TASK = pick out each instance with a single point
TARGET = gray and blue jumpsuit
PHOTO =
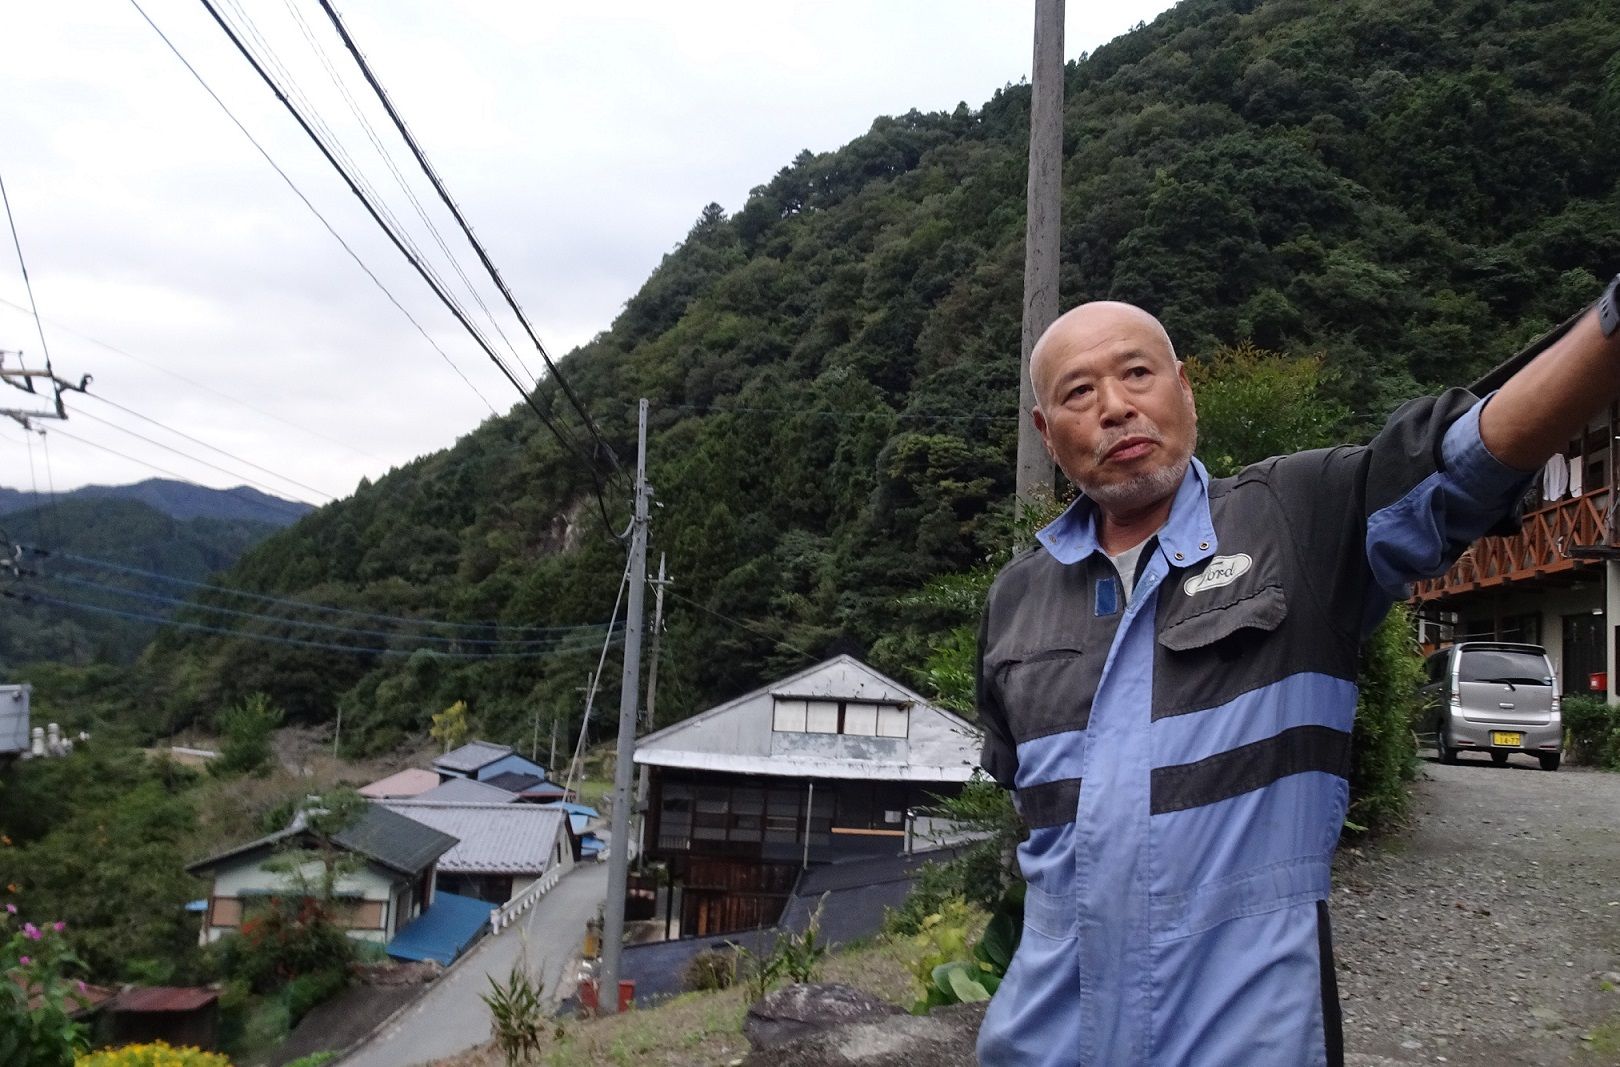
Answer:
(1181, 756)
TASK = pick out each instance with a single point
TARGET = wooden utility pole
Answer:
(624, 764)
(1041, 236)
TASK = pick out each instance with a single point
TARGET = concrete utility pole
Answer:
(624, 765)
(1041, 236)
(643, 773)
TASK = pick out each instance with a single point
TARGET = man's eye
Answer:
(1137, 372)
(1080, 392)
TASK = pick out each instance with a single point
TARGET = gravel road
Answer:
(1489, 935)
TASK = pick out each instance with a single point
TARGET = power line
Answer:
(32, 597)
(308, 605)
(301, 99)
(903, 416)
(170, 601)
(186, 455)
(196, 384)
(416, 263)
(738, 622)
(444, 195)
(314, 211)
(212, 448)
(399, 179)
(16, 243)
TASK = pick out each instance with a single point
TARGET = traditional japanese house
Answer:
(832, 762)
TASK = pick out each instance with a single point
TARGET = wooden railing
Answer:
(1541, 547)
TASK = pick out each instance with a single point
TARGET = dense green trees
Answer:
(99, 839)
(1403, 190)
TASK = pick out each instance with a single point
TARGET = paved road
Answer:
(451, 1018)
(1489, 934)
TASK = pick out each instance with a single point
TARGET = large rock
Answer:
(944, 1038)
(797, 1010)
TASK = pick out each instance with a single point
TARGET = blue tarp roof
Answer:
(444, 931)
(579, 815)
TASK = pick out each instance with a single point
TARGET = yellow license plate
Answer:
(1502, 738)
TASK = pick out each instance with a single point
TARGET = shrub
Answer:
(34, 962)
(517, 1013)
(947, 971)
(1593, 728)
(1383, 753)
(308, 990)
(154, 1054)
(712, 969)
(985, 868)
(247, 729)
(314, 1059)
(290, 936)
(794, 956)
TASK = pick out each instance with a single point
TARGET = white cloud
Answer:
(581, 141)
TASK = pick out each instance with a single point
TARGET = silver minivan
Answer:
(1492, 696)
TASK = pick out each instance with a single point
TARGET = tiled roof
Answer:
(494, 838)
(395, 841)
(406, 783)
(380, 835)
(471, 756)
(466, 791)
(516, 781)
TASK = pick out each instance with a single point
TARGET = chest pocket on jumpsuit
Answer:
(1236, 826)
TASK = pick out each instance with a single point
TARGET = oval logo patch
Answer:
(1222, 570)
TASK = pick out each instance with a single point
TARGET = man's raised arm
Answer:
(1542, 406)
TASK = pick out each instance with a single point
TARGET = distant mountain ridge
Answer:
(89, 596)
(178, 500)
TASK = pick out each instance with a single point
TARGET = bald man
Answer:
(1167, 682)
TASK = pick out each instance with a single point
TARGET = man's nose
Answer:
(1114, 403)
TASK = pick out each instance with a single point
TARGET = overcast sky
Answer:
(173, 264)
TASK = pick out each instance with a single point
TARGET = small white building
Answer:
(394, 883)
(14, 719)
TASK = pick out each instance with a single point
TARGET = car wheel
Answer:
(1499, 758)
(1443, 751)
(1551, 762)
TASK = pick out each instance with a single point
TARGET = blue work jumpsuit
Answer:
(1181, 757)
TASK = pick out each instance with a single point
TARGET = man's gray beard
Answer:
(1150, 487)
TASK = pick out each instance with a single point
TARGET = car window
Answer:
(1437, 666)
(1498, 665)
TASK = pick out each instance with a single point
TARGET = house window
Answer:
(225, 911)
(362, 914)
(821, 717)
(861, 720)
(853, 718)
(790, 715)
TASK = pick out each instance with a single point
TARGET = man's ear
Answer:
(1039, 417)
(1186, 388)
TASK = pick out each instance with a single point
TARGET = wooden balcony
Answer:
(1540, 549)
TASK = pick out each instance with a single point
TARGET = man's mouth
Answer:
(1130, 448)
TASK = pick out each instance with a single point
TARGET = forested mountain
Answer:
(95, 551)
(1408, 188)
(178, 500)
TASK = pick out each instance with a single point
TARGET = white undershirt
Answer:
(1125, 565)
